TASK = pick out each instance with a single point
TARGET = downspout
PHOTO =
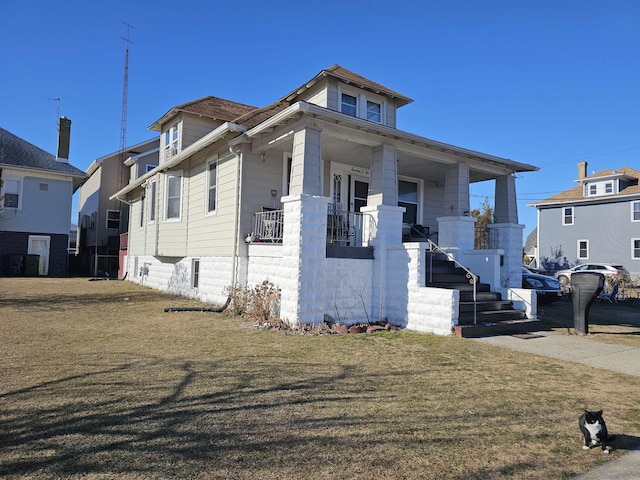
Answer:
(236, 214)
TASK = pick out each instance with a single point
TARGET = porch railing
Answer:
(343, 228)
(347, 228)
(485, 239)
(268, 226)
(473, 279)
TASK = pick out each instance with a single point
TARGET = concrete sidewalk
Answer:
(573, 348)
(580, 349)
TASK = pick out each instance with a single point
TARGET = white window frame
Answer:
(362, 103)
(107, 219)
(172, 137)
(168, 177)
(348, 106)
(579, 250)
(211, 189)
(195, 273)
(593, 189)
(153, 200)
(564, 217)
(634, 249)
(19, 181)
(608, 188)
(419, 193)
(633, 211)
(142, 205)
(287, 166)
(378, 113)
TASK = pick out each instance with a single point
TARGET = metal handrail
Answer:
(473, 279)
(348, 228)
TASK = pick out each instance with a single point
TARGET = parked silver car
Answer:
(607, 269)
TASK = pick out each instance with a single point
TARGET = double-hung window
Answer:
(349, 105)
(212, 186)
(174, 196)
(608, 187)
(635, 211)
(113, 219)
(171, 139)
(635, 248)
(11, 192)
(567, 216)
(374, 112)
(583, 249)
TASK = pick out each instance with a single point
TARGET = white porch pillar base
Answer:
(385, 232)
(304, 244)
(509, 238)
(455, 234)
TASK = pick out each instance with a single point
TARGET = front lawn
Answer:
(97, 381)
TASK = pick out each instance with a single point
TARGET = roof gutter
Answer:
(214, 136)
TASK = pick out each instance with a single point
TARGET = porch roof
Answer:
(349, 137)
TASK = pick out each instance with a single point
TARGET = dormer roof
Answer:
(349, 77)
(210, 107)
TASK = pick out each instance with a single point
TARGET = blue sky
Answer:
(549, 83)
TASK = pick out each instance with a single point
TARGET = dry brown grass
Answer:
(97, 381)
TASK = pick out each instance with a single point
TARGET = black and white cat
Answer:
(594, 430)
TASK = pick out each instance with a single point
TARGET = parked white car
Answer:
(607, 269)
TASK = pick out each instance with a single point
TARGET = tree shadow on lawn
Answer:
(213, 416)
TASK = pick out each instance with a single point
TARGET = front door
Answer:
(359, 192)
(39, 245)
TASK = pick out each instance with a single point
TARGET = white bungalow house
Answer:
(320, 194)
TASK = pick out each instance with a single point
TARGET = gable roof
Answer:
(348, 76)
(577, 193)
(16, 152)
(210, 107)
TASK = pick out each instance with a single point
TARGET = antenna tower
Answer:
(123, 116)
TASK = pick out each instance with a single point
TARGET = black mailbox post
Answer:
(585, 287)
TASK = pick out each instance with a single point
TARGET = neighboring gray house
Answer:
(322, 195)
(101, 220)
(596, 221)
(35, 205)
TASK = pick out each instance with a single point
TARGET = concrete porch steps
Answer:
(493, 315)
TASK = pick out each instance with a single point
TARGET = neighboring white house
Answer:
(596, 221)
(323, 196)
(36, 190)
(101, 220)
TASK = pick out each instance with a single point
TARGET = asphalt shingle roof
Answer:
(17, 152)
(577, 192)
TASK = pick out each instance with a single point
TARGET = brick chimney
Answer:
(582, 170)
(64, 137)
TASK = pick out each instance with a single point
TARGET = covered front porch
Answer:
(358, 185)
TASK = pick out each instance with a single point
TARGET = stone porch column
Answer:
(509, 239)
(384, 225)
(455, 234)
(305, 233)
(304, 244)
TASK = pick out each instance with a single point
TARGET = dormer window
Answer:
(593, 189)
(349, 105)
(608, 187)
(171, 139)
(374, 112)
